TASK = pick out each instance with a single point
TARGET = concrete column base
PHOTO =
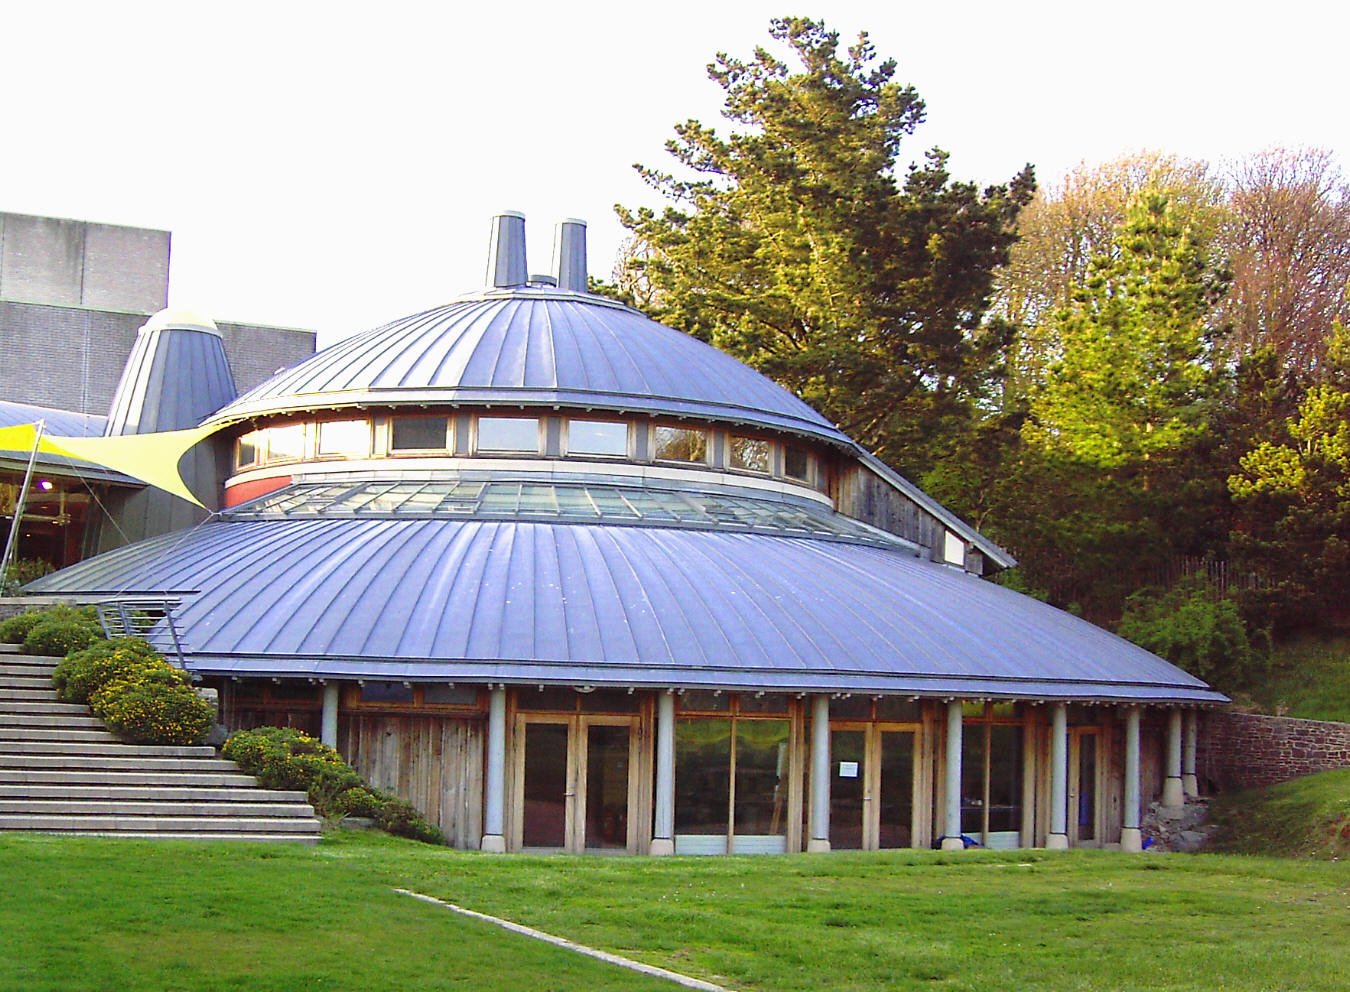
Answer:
(1131, 840)
(1173, 795)
(1189, 785)
(1057, 842)
(953, 844)
(494, 844)
(817, 846)
(662, 847)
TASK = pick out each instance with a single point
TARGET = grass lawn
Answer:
(126, 915)
(1309, 679)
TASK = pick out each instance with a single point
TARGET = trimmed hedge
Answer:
(58, 637)
(140, 696)
(15, 629)
(283, 758)
(82, 673)
(153, 712)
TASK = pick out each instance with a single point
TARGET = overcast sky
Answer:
(334, 166)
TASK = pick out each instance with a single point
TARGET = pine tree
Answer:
(794, 245)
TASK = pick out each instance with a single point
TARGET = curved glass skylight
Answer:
(560, 502)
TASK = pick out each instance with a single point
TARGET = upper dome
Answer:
(528, 346)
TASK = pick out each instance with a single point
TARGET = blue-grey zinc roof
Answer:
(537, 348)
(512, 601)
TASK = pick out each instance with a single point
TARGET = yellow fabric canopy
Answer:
(149, 458)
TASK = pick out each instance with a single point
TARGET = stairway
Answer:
(62, 772)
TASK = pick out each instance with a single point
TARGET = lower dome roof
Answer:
(490, 600)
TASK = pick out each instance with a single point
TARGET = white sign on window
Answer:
(848, 769)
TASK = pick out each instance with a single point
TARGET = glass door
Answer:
(575, 778)
(1084, 787)
(608, 761)
(849, 797)
(895, 754)
(546, 792)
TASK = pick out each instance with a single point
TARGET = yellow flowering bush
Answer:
(143, 712)
(81, 673)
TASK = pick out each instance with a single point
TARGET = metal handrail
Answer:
(150, 619)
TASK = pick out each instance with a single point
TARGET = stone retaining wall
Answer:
(1247, 750)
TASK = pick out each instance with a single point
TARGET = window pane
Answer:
(895, 709)
(972, 780)
(344, 437)
(418, 433)
(705, 701)
(749, 454)
(386, 692)
(897, 788)
(595, 437)
(702, 776)
(773, 702)
(796, 465)
(508, 434)
(448, 695)
(761, 777)
(1005, 778)
(246, 453)
(286, 442)
(675, 444)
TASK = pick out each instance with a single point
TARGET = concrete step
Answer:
(160, 824)
(72, 734)
(48, 720)
(95, 776)
(308, 839)
(35, 694)
(108, 749)
(151, 793)
(115, 763)
(11, 705)
(12, 682)
(140, 807)
(10, 648)
(22, 665)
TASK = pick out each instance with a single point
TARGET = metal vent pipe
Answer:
(569, 255)
(506, 251)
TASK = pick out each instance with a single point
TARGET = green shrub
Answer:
(283, 758)
(153, 712)
(20, 572)
(14, 629)
(1194, 629)
(359, 801)
(399, 817)
(82, 673)
(58, 637)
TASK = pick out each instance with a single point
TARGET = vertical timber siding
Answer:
(434, 762)
(860, 494)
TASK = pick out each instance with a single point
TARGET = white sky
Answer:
(335, 165)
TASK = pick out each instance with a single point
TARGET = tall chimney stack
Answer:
(506, 251)
(569, 255)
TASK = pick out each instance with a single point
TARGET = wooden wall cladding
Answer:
(434, 762)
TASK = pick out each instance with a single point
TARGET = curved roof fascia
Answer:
(540, 348)
(525, 602)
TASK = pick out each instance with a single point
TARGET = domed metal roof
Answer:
(541, 348)
(531, 602)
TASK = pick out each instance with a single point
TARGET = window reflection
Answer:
(678, 444)
(508, 434)
(749, 454)
(597, 437)
(344, 437)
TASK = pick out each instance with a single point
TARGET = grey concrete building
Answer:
(74, 293)
(75, 298)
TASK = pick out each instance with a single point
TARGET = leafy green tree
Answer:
(1293, 496)
(1195, 629)
(1132, 379)
(795, 244)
